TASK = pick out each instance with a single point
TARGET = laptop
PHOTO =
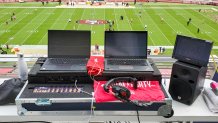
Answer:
(68, 50)
(126, 51)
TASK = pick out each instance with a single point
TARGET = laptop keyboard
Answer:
(140, 62)
(81, 62)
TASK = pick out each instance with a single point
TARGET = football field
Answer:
(163, 20)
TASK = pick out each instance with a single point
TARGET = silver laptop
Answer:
(126, 51)
(67, 50)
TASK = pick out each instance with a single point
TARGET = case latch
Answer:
(43, 102)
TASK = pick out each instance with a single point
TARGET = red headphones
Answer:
(120, 92)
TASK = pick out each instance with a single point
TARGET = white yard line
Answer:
(35, 29)
(116, 19)
(92, 18)
(15, 22)
(127, 19)
(181, 25)
(214, 9)
(52, 26)
(209, 19)
(5, 13)
(206, 34)
(70, 16)
(143, 27)
(159, 29)
(168, 24)
(36, 17)
(81, 18)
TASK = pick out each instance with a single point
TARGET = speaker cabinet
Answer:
(186, 82)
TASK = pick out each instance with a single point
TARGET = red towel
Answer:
(146, 91)
(95, 65)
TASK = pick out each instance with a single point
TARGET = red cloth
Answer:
(95, 65)
(146, 91)
(5, 70)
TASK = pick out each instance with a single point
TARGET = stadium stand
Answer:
(7, 1)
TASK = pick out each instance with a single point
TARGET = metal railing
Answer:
(164, 63)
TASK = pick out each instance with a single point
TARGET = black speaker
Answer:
(186, 82)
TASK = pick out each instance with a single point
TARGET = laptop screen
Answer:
(192, 50)
(126, 44)
(69, 43)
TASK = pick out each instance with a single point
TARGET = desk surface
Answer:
(198, 111)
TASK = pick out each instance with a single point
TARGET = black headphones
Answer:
(120, 92)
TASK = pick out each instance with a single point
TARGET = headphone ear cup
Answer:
(121, 92)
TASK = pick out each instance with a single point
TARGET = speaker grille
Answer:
(180, 90)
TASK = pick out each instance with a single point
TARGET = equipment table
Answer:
(198, 111)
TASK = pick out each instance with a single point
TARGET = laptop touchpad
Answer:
(125, 67)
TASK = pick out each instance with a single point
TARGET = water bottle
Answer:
(22, 67)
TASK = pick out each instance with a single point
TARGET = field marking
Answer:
(207, 18)
(155, 23)
(167, 22)
(14, 23)
(128, 19)
(116, 19)
(81, 18)
(59, 18)
(21, 30)
(187, 29)
(198, 27)
(153, 43)
(37, 26)
(4, 19)
(159, 28)
(197, 19)
(214, 9)
(35, 29)
(65, 25)
(143, 25)
(70, 17)
(180, 22)
(52, 27)
(92, 24)
(5, 13)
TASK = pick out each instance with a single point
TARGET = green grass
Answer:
(31, 25)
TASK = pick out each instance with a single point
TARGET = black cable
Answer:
(137, 114)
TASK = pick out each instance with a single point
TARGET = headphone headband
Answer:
(118, 79)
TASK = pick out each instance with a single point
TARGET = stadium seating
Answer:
(7, 1)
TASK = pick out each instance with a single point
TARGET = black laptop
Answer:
(192, 50)
(67, 50)
(126, 51)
